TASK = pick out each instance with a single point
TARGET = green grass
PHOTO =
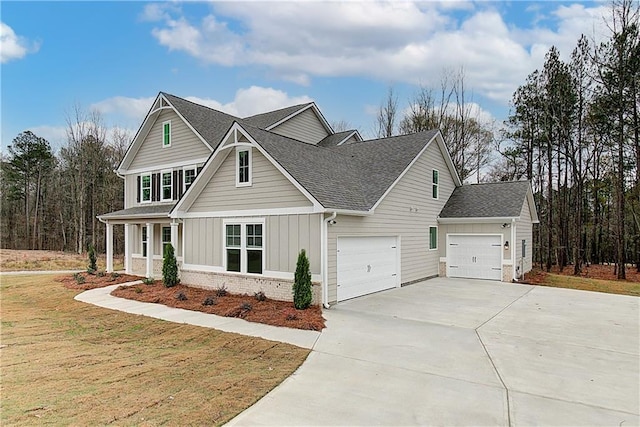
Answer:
(64, 362)
(597, 285)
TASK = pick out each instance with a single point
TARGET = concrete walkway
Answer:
(102, 297)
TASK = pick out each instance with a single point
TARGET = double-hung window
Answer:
(244, 245)
(243, 167)
(144, 241)
(189, 176)
(166, 185)
(433, 238)
(145, 188)
(434, 183)
(166, 239)
(166, 133)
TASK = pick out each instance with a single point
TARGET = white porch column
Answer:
(150, 246)
(109, 247)
(127, 249)
(174, 237)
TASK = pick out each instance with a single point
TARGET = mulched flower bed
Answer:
(85, 281)
(248, 307)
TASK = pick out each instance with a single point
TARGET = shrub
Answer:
(221, 291)
(79, 278)
(100, 274)
(148, 281)
(302, 295)
(138, 290)
(180, 296)
(291, 314)
(209, 301)
(114, 275)
(92, 259)
(246, 306)
(260, 296)
(170, 267)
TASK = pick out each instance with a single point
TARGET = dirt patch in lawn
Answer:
(26, 260)
(251, 308)
(65, 362)
(100, 279)
(598, 278)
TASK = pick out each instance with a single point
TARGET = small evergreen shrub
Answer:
(138, 289)
(100, 274)
(79, 278)
(92, 260)
(209, 301)
(148, 281)
(302, 295)
(115, 275)
(180, 296)
(260, 296)
(221, 291)
(170, 267)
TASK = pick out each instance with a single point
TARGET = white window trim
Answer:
(436, 228)
(170, 172)
(164, 123)
(142, 175)
(435, 184)
(242, 222)
(162, 238)
(144, 241)
(194, 168)
(238, 151)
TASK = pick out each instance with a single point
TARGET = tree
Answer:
(93, 266)
(169, 267)
(302, 294)
(387, 115)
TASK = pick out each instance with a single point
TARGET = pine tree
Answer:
(170, 267)
(302, 295)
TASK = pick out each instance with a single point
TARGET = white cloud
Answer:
(133, 108)
(13, 46)
(56, 135)
(389, 41)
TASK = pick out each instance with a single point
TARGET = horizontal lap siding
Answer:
(394, 218)
(304, 127)
(185, 145)
(269, 189)
(287, 235)
(524, 231)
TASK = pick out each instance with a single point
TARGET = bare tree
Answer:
(387, 115)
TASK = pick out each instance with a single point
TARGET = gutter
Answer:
(325, 260)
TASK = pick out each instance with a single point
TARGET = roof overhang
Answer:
(314, 108)
(475, 220)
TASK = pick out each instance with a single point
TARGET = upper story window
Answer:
(166, 133)
(435, 177)
(166, 186)
(145, 188)
(243, 167)
(189, 175)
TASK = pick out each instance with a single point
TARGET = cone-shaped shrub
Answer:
(302, 295)
(169, 267)
(92, 258)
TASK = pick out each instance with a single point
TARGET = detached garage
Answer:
(486, 231)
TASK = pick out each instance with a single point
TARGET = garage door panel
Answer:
(474, 256)
(366, 265)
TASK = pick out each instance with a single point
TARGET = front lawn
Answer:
(64, 362)
(596, 278)
(27, 260)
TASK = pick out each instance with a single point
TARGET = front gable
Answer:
(306, 125)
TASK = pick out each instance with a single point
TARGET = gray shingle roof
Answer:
(494, 200)
(335, 139)
(140, 211)
(264, 120)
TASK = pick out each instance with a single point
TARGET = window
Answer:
(524, 248)
(144, 240)
(166, 133)
(434, 184)
(167, 185)
(189, 177)
(145, 188)
(244, 247)
(433, 238)
(243, 167)
(166, 238)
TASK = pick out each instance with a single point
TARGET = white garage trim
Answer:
(367, 264)
(475, 256)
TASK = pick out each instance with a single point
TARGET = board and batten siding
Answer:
(284, 237)
(396, 216)
(185, 145)
(524, 231)
(269, 189)
(304, 127)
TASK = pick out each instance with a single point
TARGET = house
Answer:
(238, 198)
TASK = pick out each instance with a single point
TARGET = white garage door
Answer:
(366, 265)
(474, 256)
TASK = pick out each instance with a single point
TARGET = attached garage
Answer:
(474, 256)
(367, 265)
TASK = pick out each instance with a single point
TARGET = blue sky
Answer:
(249, 57)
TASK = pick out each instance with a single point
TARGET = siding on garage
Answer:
(524, 231)
(185, 145)
(305, 127)
(473, 228)
(269, 189)
(284, 237)
(396, 216)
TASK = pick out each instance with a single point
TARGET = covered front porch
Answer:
(147, 231)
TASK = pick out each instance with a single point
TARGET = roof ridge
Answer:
(397, 136)
(200, 105)
(279, 109)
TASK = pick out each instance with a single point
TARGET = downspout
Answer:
(325, 259)
(513, 250)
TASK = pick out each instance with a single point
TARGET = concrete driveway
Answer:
(465, 352)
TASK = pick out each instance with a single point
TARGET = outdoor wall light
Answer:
(506, 245)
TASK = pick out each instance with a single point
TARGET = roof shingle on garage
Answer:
(492, 200)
